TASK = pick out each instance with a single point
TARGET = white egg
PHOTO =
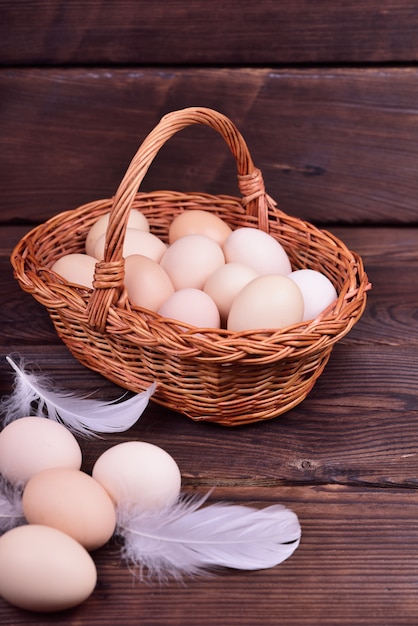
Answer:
(135, 242)
(193, 307)
(267, 302)
(138, 473)
(225, 283)
(317, 290)
(189, 261)
(43, 569)
(31, 444)
(76, 268)
(136, 219)
(257, 249)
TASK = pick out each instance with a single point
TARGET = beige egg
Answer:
(199, 222)
(136, 219)
(225, 283)
(147, 283)
(43, 569)
(317, 290)
(31, 444)
(189, 261)
(73, 502)
(267, 302)
(192, 306)
(257, 249)
(135, 242)
(76, 268)
(139, 473)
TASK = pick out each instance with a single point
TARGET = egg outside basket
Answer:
(221, 376)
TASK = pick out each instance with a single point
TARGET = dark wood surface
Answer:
(237, 32)
(325, 94)
(334, 145)
(344, 460)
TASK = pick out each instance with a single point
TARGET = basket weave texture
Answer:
(221, 376)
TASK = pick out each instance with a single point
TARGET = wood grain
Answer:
(336, 146)
(356, 565)
(207, 33)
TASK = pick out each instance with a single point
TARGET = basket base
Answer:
(234, 394)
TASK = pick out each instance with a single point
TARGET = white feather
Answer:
(11, 511)
(33, 394)
(188, 539)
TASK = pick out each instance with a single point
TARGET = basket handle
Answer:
(108, 281)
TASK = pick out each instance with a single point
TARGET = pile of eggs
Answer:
(46, 563)
(208, 275)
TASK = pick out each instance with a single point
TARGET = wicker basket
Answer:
(215, 375)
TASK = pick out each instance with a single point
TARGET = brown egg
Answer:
(147, 283)
(73, 502)
(199, 222)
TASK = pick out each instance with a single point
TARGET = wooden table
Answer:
(345, 461)
(326, 96)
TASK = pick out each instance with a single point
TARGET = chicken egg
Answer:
(225, 283)
(199, 222)
(136, 219)
(189, 261)
(267, 302)
(31, 444)
(257, 249)
(73, 502)
(43, 569)
(138, 473)
(317, 290)
(147, 283)
(135, 242)
(192, 306)
(76, 268)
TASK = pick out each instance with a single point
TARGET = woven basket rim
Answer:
(191, 339)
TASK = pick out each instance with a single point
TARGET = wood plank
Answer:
(356, 565)
(336, 146)
(389, 247)
(197, 32)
